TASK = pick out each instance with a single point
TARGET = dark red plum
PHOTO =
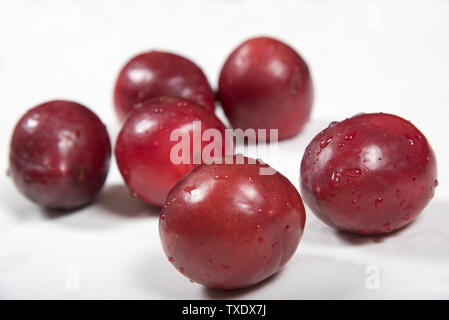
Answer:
(265, 84)
(369, 174)
(153, 74)
(226, 226)
(144, 150)
(60, 155)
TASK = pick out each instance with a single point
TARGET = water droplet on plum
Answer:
(324, 143)
(378, 202)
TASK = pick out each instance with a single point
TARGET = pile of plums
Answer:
(223, 224)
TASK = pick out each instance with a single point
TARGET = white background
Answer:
(365, 56)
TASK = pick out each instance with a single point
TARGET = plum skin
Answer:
(227, 227)
(59, 155)
(265, 84)
(369, 174)
(153, 74)
(143, 155)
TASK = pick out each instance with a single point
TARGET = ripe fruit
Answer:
(153, 74)
(369, 174)
(265, 84)
(143, 148)
(226, 226)
(60, 154)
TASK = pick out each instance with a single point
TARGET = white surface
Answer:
(365, 56)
